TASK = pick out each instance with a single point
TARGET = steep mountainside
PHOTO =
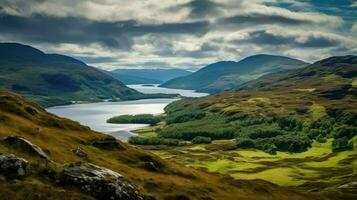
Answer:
(227, 75)
(52, 79)
(75, 154)
(150, 76)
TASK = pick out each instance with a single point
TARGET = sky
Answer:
(186, 34)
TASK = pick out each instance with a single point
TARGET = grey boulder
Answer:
(12, 166)
(25, 146)
(100, 182)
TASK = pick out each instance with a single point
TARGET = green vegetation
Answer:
(153, 141)
(201, 140)
(153, 176)
(135, 119)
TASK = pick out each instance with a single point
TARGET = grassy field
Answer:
(317, 164)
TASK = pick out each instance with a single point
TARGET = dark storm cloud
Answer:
(259, 18)
(119, 34)
(203, 8)
(309, 40)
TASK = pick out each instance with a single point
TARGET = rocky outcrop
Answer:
(25, 146)
(80, 152)
(12, 166)
(100, 182)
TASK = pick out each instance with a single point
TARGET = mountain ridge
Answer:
(54, 79)
(226, 75)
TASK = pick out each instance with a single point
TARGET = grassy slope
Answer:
(305, 94)
(228, 74)
(58, 136)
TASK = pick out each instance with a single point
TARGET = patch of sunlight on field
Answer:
(331, 162)
(225, 166)
(317, 150)
(354, 83)
(163, 154)
(146, 132)
(331, 77)
(280, 176)
(306, 89)
(259, 99)
(198, 148)
(317, 111)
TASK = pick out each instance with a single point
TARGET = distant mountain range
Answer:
(227, 75)
(147, 76)
(53, 79)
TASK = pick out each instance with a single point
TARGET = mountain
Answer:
(53, 79)
(47, 157)
(285, 128)
(147, 76)
(227, 75)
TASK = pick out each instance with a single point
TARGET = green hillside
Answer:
(68, 144)
(295, 128)
(52, 79)
(227, 75)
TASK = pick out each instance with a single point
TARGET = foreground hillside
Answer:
(147, 76)
(65, 158)
(52, 79)
(294, 129)
(227, 75)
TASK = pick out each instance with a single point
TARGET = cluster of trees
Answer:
(135, 119)
(201, 140)
(342, 144)
(184, 117)
(290, 143)
(153, 141)
(189, 134)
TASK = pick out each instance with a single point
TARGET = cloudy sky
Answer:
(181, 33)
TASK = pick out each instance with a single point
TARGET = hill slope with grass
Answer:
(52, 79)
(227, 75)
(66, 142)
(147, 76)
(295, 128)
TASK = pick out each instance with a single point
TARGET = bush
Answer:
(289, 123)
(245, 143)
(153, 141)
(291, 143)
(321, 139)
(341, 144)
(264, 134)
(184, 117)
(135, 119)
(346, 131)
(313, 133)
(270, 148)
(201, 140)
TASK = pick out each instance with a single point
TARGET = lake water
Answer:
(95, 115)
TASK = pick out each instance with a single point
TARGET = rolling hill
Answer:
(294, 128)
(227, 75)
(147, 76)
(52, 79)
(70, 152)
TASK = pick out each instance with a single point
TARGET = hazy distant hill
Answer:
(226, 75)
(143, 76)
(53, 79)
